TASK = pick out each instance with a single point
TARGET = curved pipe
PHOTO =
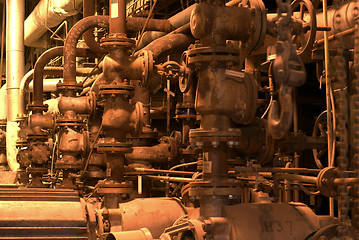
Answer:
(132, 24)
(280, 123)
(25, 84)
(71, 42)
(102, 21)
(180, 19)
(42, 61)
(169, 42)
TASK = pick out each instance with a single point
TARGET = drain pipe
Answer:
(15, 12)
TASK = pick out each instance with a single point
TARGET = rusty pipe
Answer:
(26, 81)
(178, 21)
(81, 27)
(169, 42)
(89, 10)
(40, 64)
(71, 42)
(117, 16)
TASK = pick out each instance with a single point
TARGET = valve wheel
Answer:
(185, 75)
(308, 20)
(320, 130)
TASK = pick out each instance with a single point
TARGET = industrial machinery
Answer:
(180, 120)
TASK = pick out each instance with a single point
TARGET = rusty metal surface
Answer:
(49, 214)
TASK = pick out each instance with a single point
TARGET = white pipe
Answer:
(48, 14)
(15, 64)
(3, 103)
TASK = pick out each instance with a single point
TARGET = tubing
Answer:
(169, 42)
(25, 84)
(118, 17)
(89, 10)
(40, 64)
(15, 64)
(48, 14)
(71, 42)
(132, 24)
(178, 20)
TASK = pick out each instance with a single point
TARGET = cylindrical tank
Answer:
(155, 214)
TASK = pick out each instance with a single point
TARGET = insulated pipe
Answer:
(48, 14)
(15, 11)
(15, 62)
(42, 61)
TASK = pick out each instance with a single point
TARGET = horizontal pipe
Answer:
(178, 20)
(299, 178)
(149, 170)
(170, 179)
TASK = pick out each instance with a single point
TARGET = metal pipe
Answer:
(27, 84)
(328, 89)
(2, 38)
(40, 64)
(150, 170)
(299, 178)
(180, 19)
(42, 61)
(89, 10)
(168, 43)
(171, 179)
(15, 63)
(71, 42)
(117, 16)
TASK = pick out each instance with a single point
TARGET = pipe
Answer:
(169, 42)
(3, 103)
(180, 19)
(27, 85)
(48, 14)
(71, 42)
(89, 10)
(40, 64)
(117, 17)
(15, 11)
(132, 24)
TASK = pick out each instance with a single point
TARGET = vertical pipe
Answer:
(2, 38)
(15, 12)
(117, 16)
(328, 90)
(295, 128)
